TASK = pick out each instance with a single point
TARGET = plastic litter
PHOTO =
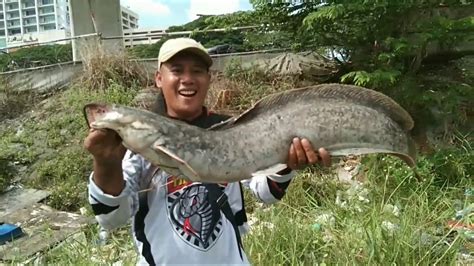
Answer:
(9, 232)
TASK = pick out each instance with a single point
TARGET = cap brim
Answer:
(203, 55)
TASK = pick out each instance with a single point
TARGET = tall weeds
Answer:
(237, 88)
(13, 102)
(102, 68)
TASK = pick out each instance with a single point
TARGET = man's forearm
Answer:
(108, 176)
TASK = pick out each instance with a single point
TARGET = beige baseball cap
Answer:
(173, 46)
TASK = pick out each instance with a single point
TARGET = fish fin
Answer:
(272, 170)
(348, 93)
(408, 158)
(183, 166)
(222, 124)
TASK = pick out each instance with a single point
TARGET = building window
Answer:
(13, 15)
(29, 13)
(29, 21)
(30, 29)
(48, 27)
(28, 4)
(15, 23)
(12, 6)
(47, 19)
(14, 31)
(46, 10)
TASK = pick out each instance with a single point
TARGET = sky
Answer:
(164, 13)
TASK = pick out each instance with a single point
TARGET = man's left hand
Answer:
(302, 154)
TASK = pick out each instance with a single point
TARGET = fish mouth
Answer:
(94, 112)
(187, 92)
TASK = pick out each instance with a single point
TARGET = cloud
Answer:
(211, 7)
(146, 7)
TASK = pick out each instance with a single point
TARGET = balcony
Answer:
(12, 7)
(13, 26)
(30, 29)
(14, 32)
(47, 19)
(48, 27)
(28, 3)
(45, 3)
(29, 13)
(48, 23)
(30, 21)
(13, 16)
(13, 22)
(28, 7)
(46, 10)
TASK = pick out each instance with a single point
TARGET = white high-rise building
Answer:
(129, 19)
(38, 21)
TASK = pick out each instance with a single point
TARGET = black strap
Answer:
(241, 216)
(218, 198)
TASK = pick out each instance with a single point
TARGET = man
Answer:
(175, 221)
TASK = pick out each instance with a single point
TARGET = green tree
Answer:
(35, 56)
(382, 39)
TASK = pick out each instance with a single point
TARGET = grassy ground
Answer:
(390, 217)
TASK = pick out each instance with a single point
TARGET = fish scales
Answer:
(344, 119)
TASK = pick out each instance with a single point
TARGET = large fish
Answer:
(344, 119)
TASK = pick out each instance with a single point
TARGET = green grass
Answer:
(52, 146)
(312, 226)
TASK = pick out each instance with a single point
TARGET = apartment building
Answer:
(129, 19)
(39, 21)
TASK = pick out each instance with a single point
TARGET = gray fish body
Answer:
(343, 119)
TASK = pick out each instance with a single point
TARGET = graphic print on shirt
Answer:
(193, 218)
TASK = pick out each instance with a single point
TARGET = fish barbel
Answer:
(344, 119)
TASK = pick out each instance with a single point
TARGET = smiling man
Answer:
(176, 221)
(183, 77)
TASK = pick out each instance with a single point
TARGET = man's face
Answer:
(184, 80)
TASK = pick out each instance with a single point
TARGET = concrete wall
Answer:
(46, 78)
(220, 61)
(42, 79)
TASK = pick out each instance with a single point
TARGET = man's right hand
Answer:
(107, 150)
(104, 145)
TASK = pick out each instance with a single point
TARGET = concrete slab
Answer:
(19, 198)
(44, 227)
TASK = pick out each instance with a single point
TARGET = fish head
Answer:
(136, 132)
(105, 116)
